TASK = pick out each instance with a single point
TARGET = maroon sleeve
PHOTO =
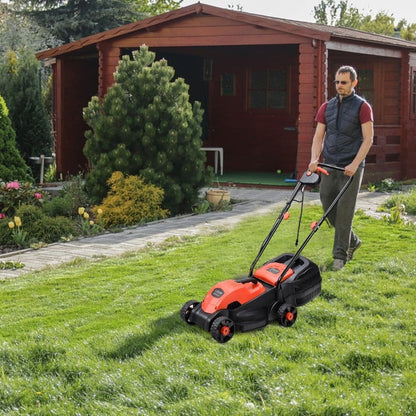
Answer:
(320, 116)
(366, 113)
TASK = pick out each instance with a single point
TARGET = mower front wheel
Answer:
(222, 329)
(187, 309)
(286, 315)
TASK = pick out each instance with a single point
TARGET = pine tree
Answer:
(146, 126)
(12, 165)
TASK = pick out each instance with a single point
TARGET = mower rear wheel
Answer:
(222, 329)
(286, 315)
(187, 309)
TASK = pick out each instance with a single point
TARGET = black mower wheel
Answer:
(286, 315)
(187, 309)
(222, 329)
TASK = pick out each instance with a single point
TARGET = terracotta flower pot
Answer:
(216, 196)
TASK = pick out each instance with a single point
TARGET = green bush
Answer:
(50, 229)
(130, 201)
(70, 198)
(6, 238)
(29, 213)
(146, 125)
(59, 206)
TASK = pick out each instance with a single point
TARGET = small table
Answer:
(218, 151)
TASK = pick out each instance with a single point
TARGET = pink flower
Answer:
(38, 195)
(13, 185)
(2, 216)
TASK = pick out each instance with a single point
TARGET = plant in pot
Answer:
(217, 196)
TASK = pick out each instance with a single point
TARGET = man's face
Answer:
(344, 85)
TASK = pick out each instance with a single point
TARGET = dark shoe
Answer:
(351, 250)
(338, 264)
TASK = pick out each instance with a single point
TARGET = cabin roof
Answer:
(312, 30)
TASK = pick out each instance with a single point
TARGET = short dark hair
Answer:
(346, 68)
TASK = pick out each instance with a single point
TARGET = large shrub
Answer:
(130, 201)
(145, 125)
(12, 165)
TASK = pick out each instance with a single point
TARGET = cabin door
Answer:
(253, 112)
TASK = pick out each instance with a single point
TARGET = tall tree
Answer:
(19, 32)
(12, 165)
(342, 13)
(21, 88)
(73, 19)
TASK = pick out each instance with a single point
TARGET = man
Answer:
(344, 135)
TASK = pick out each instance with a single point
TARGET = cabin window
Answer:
(267, 89)
(413, 98)
(365, 86)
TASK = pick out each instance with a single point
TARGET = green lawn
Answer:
(106, 338)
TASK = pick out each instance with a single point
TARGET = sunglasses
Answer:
(340, 82)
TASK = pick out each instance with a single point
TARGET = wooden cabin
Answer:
(260, 80)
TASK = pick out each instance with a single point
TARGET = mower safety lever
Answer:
(322, 170)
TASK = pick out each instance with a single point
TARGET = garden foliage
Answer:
(14, 194)
(145, 125)
(130, 201)
(12, 165)
(36, 226)
(20, 86)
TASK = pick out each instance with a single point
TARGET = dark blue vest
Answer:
(343, 130)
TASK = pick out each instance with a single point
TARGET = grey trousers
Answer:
(343, 213)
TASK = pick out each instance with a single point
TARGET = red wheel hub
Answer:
(289, 316)
(225, 331)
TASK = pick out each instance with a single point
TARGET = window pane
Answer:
(277, 99)
(258, 99)
(259, 80)
(277, 80)
(227, 85)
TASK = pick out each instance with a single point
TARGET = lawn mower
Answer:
(270, 293)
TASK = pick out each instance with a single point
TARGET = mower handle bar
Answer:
(326, 165)
(321, 168)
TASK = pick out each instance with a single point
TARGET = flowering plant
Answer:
(14, 194)
(87, 225)
(18, 234)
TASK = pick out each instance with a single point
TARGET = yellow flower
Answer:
(86, 215)
(99, 211)
(11, 225)
(81, 210)
(18, 221)
(91, 223)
